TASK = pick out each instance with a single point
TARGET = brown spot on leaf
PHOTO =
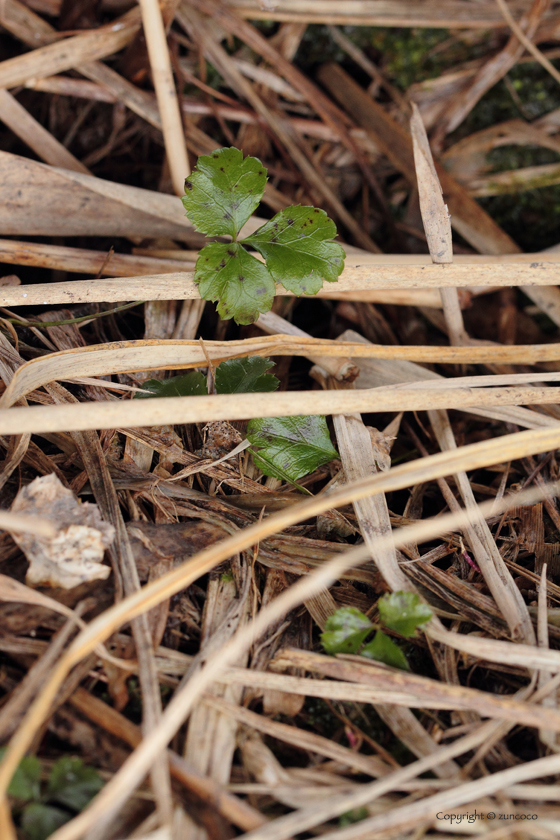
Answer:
(231, 253)
(241, 278)
(188, 185)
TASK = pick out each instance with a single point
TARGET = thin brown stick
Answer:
(234, 809)
(163, 411)
(446, 15)
(26, 127)
(180, 285)
(162, 75)
(23, 524)
(527, 43)
(87, 261)
(66, 54)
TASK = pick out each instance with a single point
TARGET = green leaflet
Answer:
(233, 376)
(25, 784)
(186, 385)
(345, 631)
(403, 612)
(298, 248)
(72, 783)
(39, 821)
(297, 244)
(232, 276)
(224, 191)
(291, 446)
(245, 376)
(267, 467)
(383, 649)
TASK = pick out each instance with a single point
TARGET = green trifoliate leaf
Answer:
(73, 783)
(187, 385)
(345, 631)
(383, 649)
(298, 248)
(25, 785)
(291, 446)
(229, 274)
(403, 612)
(39, 821)
(223, 191)
(245, 376)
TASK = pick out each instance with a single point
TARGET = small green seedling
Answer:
(233, 376)
(191, 384)
(403, 612)
(39, 809)
(245, 376)
(221, 195)
(288, 447)
(347, 629)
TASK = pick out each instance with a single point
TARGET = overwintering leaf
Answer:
(25, 785)
(345, 631)
(292, 446)
(298, 248)
(229, 274)
(223, 191)
(245, 376)
(187, 385)
(384, 649)
(403, 612)
(39, 821)
(73, 783)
